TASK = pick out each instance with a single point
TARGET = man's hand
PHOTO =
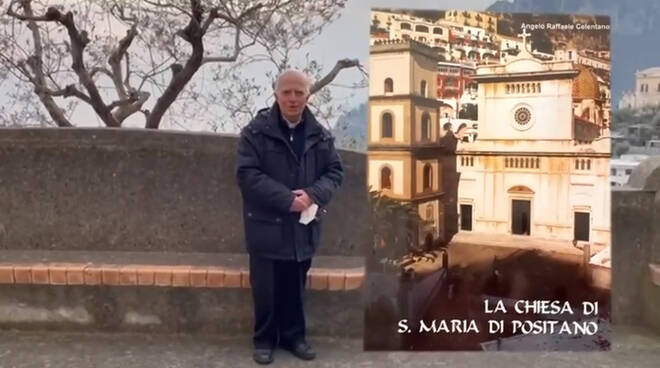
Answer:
(298, 205)
(304, 197)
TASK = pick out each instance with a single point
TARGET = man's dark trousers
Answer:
(277, 289)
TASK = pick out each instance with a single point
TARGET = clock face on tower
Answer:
(522, 117)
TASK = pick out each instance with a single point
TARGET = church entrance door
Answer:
(520, 216)
(466, 217)
(581, 226)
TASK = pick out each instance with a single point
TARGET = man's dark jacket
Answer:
(268, 170)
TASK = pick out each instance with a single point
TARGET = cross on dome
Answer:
(524, 35)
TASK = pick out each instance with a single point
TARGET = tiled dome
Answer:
(585, 85)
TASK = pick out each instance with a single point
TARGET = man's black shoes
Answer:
(263, 356)
(301, 350)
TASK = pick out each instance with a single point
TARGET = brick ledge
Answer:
(326, 273)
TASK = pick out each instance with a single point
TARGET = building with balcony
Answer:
(475, 45)
(469, 18)
(400, 26)
(588, 58)
(454, 80)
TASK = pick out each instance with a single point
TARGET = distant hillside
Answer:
(351, 129)
(634, 41)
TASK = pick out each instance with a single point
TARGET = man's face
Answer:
(291, 96)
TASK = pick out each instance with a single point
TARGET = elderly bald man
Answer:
(286, 163)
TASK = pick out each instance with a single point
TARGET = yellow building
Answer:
(407, 159)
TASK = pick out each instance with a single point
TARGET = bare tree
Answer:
(70, 55)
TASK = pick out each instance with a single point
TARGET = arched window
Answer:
(429, 212)
(422, 88)
(427, 177)
(386, 129)
(405, 26)
(385, 178)
(426, 126)
(389, 85)
(437, 31)
(421, 29)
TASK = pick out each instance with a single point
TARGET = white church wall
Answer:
(551, 112)
(558, 193)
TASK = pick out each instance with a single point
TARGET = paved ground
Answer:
(633, 348)
(519, 242)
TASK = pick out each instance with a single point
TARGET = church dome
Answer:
(585, 85)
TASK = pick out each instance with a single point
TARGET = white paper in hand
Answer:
(308, 215)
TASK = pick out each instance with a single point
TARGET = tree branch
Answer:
(168, 6)
(130, 106)
(127, 79)
(120, 103)
(68, 91)
(181, 76)
(207, 23)
(193, 30)
(97, 70)
(215, 14)
(233, 57)
(35, 62)
(237, 47)
(341, 64)
(115, 61)
(79, 41)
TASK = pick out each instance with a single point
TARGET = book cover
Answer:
(488, 169)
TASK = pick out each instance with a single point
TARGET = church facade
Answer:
(540, 165)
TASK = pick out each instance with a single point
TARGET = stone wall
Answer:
(636, 244)
(136, 189)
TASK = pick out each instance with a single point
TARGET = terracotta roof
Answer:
(585, 85)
